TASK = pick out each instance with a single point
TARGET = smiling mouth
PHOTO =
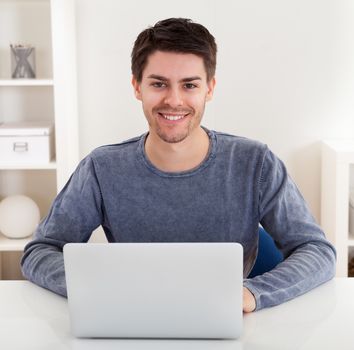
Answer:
(173, 117)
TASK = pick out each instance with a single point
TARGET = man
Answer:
(182, 182)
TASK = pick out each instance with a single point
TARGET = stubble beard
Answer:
(173, 138)
(194, 121)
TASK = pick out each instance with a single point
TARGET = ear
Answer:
(136, 87)
(211, 86)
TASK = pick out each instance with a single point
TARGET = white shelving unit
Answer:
(48, 25)
(337, 177)
(26, 82)
(13, 245)
(11, 166)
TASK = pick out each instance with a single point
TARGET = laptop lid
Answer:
(155, 290)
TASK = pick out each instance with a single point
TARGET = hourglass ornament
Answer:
(23, 61)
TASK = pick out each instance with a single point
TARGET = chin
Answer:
(173, 138)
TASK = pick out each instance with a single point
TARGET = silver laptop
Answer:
(154, 290)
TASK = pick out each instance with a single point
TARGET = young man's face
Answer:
(173, 91)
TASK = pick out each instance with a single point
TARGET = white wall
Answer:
(285, 73)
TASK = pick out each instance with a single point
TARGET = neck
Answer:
(180, 156)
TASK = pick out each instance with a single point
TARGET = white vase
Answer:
(19, 216)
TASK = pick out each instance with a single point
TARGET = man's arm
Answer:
(309, 257)
(74, 214)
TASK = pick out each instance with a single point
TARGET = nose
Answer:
(173, 97)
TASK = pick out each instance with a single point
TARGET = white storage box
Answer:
(26, 142)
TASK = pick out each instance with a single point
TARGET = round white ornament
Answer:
(19, 216)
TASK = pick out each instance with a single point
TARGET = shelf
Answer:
(29, 166)
(38, 23)
(341, 145)
(26, 82)
(12, 244)
(350, 240)
(342, 149)
(22, 1)
(337, 178)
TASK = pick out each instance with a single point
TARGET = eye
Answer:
(158, 84)
(190, 86)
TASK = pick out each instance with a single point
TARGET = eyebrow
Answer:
(184, 80)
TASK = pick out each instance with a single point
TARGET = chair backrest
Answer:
(268, 254)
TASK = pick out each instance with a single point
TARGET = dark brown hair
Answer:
(179, 35)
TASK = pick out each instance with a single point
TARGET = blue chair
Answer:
(268, 254)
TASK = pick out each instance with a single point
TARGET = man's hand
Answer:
(249, 301)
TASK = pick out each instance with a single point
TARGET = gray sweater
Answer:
(238, 186)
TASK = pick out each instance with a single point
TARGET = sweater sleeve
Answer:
(75, 213)
(309, 257)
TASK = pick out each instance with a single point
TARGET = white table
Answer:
(34, 318)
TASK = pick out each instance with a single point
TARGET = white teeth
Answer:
(173, 117)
